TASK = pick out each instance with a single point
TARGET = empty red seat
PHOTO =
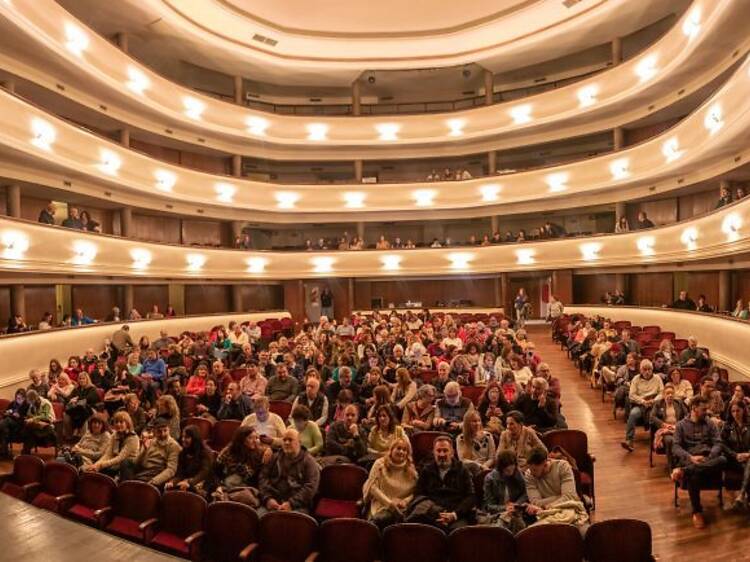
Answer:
(205, 426)
(222, 433)
(487, 543)
(57, 491)
(94, 498)
(649, 351)
(135, 511)
(652, 329)
(287, 536)
(231, 531)
(180, 527)
(340, 491)
(618, 540)
(408, 542)
(281, 408)
(26, 478)
(348, 540)
(473, 393)
(667, 336)
(539, 542)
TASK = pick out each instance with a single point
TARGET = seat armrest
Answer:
(31, 490)
(65, 501)
(103, 516)
(248, 551)
(195, 537)
(147, 528)
(312, 557)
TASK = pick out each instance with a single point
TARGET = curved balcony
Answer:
(631, 91)
(701, 146)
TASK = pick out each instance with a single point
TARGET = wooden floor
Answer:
(625, 487)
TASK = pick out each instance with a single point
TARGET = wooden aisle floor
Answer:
(627, 487)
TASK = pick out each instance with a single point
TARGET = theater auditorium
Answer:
(353, 281)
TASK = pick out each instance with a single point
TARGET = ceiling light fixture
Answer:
(391, 262)
(322, 264)
(141, 258)
(317, 132)
(558, 181)
(645, 245)
(165, 180)
(424, 197)
(692, 24)
(521, 114)
(225, 192)
(620, 169)
(646, 69)
(109, 162)
(689, 237)
(671, 149)
(44, 134)
(714, 119)
(525, 256)
(256, 265)
(15, 245)
(137, 82)
(587, 95)
(286, 199)
(84, 252)
(731, 226)
(490, 192)
(195, 262)
(460, 260)
(193, 107)
(590, 251)
(388, 131)
(354, 199)
(257, 126)
(456, 127)
(76, 40)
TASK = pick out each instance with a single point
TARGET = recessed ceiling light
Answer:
(424, 197)
(671, 149)
(731, 226)
(620, 169)
(460, 260)
(587, 95)
(15, 245)
(525, 256)
(714, 119)
(689, 237)
(456, 127)
(692, 24)
(317, 132)
(490, 191)
(225, 192)
(645, 245)
(391, 262)
(557, 182)
(322, 264)
(256, 265)
(195, 262)
(590, 251)
(43, 134)
(141, 258)
(109, 162)
(84, 252)
(646, 69)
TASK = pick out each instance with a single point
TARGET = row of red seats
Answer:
(182, 523)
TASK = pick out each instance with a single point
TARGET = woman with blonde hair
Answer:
(166, 407)
(123, 445)
(404, 390)
(390, 486)
(62, 389)
(475, 446)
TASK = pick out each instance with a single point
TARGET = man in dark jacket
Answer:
(444, 495)
(346, 438)
(236, 406)
(290, 481)
(538, 409)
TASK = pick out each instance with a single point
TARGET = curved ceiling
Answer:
(677, 64)
(28, 247)
(703, 141)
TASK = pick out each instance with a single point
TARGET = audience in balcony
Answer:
(622, 225)
(643, 221)
(684, 302)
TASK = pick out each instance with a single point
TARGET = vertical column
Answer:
(621, 282)
(725, 291)
(504, 290)
(237, 165)
(177, 297)
(492, 162)
(63, 301)
(125, 137)
(620, 210)
(356, 98)
(498, 297)
(239, 90)
(128, 300)
(361, 230)
(9, 85)
(18, 300)
(126, 222)
(122, 41)
(13, 194)
(616, 51)
(182, 231)
(236, 228)
(237, 305)
(494, 223)
(618, 138)
(358, 171)
(350, 295)
(489, 87)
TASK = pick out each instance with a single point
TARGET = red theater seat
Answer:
(26, 478)
(180, 527)
(94, 498)
(135, 511)
(231, 531)
(348, 540)
(58, 487)
(340, 491)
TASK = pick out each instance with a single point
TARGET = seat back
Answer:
(473, 393)
(281, 408)
(348, 540)
(204, 426)
(4, 403)
(342, 482)
(182, 513)
(137, 500)
(652, 329)
(230, 527)
(95, 490)
(691, 374)
(618, 540)
(27, 469)
(487, 543)
(189, 405)
(222, 433)
(287, 535)
(574, 441)
(59, 478)
(421, 444)
(534, 544)
(407, 542)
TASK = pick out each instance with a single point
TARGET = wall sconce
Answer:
(165, 180)
(141, 258)
(195, 262)
(257, 126)
(590, 251)
(84, 252)
(256, 265)
(354, 199)
(16, 244)
(525, 256)
(43, 134)
(391, 262)
(461, 260)
(322, 264)
(645, 245)
(731, 226)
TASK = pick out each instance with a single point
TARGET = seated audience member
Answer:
(683, 390)
(390, 486)
(290, 480)
(93, 443)
(80, 319)
(236, 405)
(157, 461)
(385, 430)
(551, 489)
(492, 407)
(518, 438)
(404, 390)
(123, 446)
(346, 438)
(645, 391)
(38, 383)
(210, 402)
(643, 221)
(664, 417)
(344, 382)
(475, 446)
(47, 215)
(101, 377)
(451, 409)
(12, 422)
(16, 324)
(444, 495)
(194, 463)
(47, 322)
(735, 438)
(725, 197)
(62, 389)
(73, 220)
(196, 385)
(539, 409)
(697, 451)
(314, 400)
(692, 355)
(253, 384)
(80, 405)
(702, 305)
(39, 422)
(622, 225)
(238, 467)
(168, 410)
(281, 386)
(153, 375)
(244, 356)
(270, 426)
(683, 302)
(309, 431)
(504, 496)
(138, 416)
(521, 372)
(419, 414)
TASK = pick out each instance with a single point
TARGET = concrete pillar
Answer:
(237, 165)
(489, 85)
(725, 291)
(125, 137)
(13, 194)
(361, 230)
(621, 281)
(358, 171)
(494, 223)
(497, 301)
(122, 41)
(356, 98)
(128, 299)
(237, 305)
(616, 51)
(350, 295)
(18, 300)
(239, 91)
(126, 222)
(618, 137)
(505, 292)
(619, 210)
(182, 231)
(492, 162)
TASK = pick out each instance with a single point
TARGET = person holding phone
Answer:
(270, 426)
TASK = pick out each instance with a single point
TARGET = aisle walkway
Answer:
(627, 487)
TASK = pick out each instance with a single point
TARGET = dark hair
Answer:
(190, 458)
(301, 412)
(504, 459)
(237, 445)
(443, 438)
(391, 417)
(698, 401)
(536, 456)
(516, 416)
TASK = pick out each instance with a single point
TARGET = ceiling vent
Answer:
(264, 39)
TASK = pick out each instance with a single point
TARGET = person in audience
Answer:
(314, 400)
(290, 480)
(38, 383)
(39, 422)
(309, 431)
(622, 225)
(47, 322)
(539, 409)
(492, 408)
(697, 451)
(346, 439)
(390, 485)
(475, 446)
(238, 467)
(504, 493)
(153, 375)
(209, 402)
(12, 422)
(281, 386)
(664, 417)
(253, 384)
(735, 438)
(739, 193)
(79, 405)
(521, 373)
(692, 355)
(385, 430)
(236, 405)
(93, 443)
(155, 313)
(682, 388)
(73, 220)
(645, 390)
(643, 221)
(89, 224)
(47, 215)
(80, 319)
(444, 494)
(194, 463)
(725, 197)
(551, 488)
(683, 302)
(158, 458)
(419, 414)
(196, 385)
(166, 409)
(269, 425)
(518, 438)
(123, 446)
(702, 305)
(404, 390)
(451, 409)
